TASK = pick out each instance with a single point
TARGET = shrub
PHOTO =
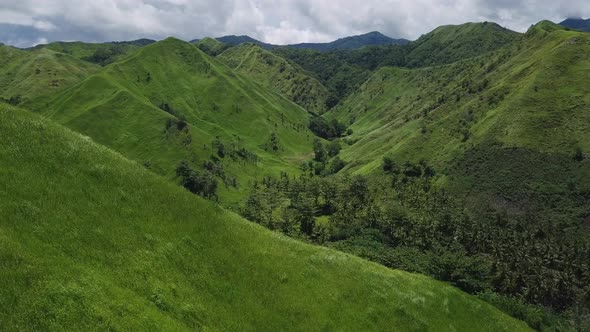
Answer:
(200, 183)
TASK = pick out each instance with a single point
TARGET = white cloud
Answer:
(276, 21)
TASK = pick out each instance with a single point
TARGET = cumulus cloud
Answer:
(274, 21)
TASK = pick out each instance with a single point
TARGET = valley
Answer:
(370, 183)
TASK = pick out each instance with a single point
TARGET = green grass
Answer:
(471, 118)
(277, 74)
(92, 241)
(212, 47)
(450, 43)
(100, 53)
(38, 75)
(119, 107)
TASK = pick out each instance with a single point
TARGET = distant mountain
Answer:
(577, 24)
(450, 43)
(99, 53)
(347, 43)
(233, 40)
(353, 42)
(137, 42)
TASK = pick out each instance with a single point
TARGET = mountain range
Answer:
(577, 24)
(363, 184)
(348, 43)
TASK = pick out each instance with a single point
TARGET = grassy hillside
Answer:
(276, 74)
(521, 112)
(169, 101)
(90, 240)
(352, 42)
(99, 53)
(211, 46)
(29, 77)
(450, 43)
(343, 71)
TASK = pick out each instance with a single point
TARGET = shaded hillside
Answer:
(354, 42)
(275, 73)
(170, 102)
(98, 53)
(28, 77)
(233, 40)
(523, 105)
(211, 46)
(451, 43)
(342, 72)
(347, 43)
(90, 240)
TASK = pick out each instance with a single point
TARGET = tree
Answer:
(334, 148)
(579, 154)
(200, 183)
(358, 191)
(389, 166)
(336, 128)
(274, 142)
(218, 145)
(305, 216)
(319, 151)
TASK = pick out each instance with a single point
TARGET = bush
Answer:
(324, 129)
(336, 165)
(200, 183)
(389, 166)
(334, 148)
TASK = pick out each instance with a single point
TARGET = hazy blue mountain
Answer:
(347, 43)
(577, 23)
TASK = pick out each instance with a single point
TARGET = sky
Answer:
(25, 23)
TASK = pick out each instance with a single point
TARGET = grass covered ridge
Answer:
(90, 240)
(139, 106)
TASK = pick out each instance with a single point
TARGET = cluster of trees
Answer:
(327, 129)
(14, 100)
(234, 150)
(198, 182)
(106, 54)
(409, 223)
(326, 160)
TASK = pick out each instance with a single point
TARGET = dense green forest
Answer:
(462, 156)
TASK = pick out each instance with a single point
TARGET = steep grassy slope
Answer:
(451, 43)
(99, 53)
(275, 73)
(8, 53)
(211, 46)
(343, 71)
(32, 76)
(90, 240)
(521, 112)
(138, 107)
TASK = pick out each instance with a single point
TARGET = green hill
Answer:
(450, 43)
(276, 74)
(521, 112)
(343, 71)
(139, 107)
(99, 53)
(352, 42)
(211, 46)
(90, 240)
(28, 77)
